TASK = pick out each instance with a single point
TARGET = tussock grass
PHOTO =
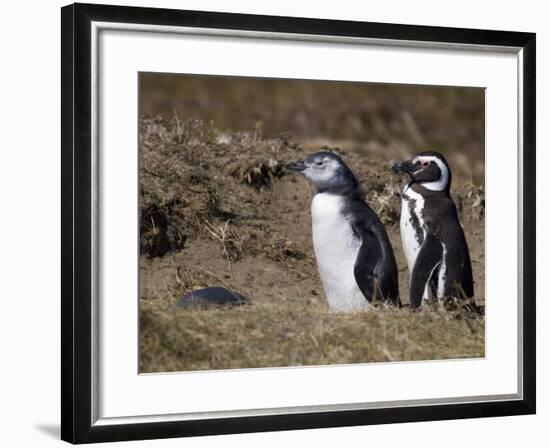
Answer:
(301, 331)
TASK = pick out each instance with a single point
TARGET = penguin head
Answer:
(428, 169)
(327, 171)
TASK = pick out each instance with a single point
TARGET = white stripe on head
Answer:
(443, 180)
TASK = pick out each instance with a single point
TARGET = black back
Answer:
(443, 227)
(375, 267)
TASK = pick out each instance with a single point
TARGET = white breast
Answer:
(411, 246)
(442, 273)
(336, 249)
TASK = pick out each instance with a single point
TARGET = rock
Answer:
(211, 297)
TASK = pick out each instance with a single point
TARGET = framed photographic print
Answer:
(275, 223)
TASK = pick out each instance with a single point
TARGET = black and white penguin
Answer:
(433, 240)
(354, 255)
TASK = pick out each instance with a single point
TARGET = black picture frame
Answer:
(76, 219)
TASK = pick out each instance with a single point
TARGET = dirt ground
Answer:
(218, 209)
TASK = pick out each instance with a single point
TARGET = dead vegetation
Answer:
(257, 173)
(289, 332)
(218, 209)
(184, 170)
(230, 240)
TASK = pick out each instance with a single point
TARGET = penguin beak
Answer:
(403, 166)
(296, 166)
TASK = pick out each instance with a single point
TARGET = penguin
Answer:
(433, 240)
(354, 256)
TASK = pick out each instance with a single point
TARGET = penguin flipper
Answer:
(429, 257)
(367, 260)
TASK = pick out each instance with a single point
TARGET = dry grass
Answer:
(301, 331)
(257, 173)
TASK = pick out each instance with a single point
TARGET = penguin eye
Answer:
(319, 163)
(426, 164)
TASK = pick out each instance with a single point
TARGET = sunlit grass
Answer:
(300, 332)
